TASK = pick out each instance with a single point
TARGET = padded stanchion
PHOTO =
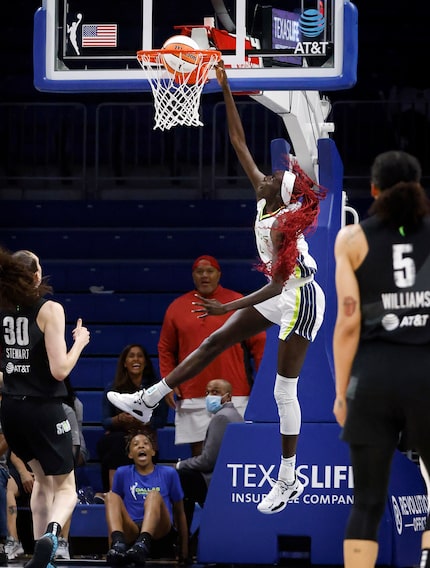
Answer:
(250, 456)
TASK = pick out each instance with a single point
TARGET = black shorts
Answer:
(388, 396)
(37, 428)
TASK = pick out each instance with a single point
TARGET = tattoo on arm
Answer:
(349, 305)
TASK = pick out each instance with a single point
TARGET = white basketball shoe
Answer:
(13, 548)
(133, 404)
(277, 499)
(63, 552)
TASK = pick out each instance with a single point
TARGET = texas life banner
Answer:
(249, 458)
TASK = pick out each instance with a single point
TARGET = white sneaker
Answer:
(277, 499)
(132, 404)
(62, 550)
(13, 548)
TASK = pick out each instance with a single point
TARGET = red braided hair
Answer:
(293, 222)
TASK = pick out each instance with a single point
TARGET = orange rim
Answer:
(206, 55)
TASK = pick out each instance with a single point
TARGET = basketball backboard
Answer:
(82, 46)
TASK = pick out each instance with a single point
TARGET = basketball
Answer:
(181, 64)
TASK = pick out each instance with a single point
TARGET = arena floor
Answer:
(85, 562)
(97, 560)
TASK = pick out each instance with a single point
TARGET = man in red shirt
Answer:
(182, 332)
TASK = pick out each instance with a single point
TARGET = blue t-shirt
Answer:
(133, 488)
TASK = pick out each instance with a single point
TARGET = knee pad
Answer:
(290, 416)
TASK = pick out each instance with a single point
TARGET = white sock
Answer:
(287, 470)
(154, 394)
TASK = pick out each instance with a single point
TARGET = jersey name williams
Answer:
(402, 300)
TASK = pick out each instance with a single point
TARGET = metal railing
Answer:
(363, 129)
(44, 145)
(111, 150)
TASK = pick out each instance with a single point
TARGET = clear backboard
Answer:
(90, 46)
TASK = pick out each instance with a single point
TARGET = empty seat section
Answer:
(115, 308)
(135, 275)
(111, 339)
(148, 213)
(93, 372)
(105, 243)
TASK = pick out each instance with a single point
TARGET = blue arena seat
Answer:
(89, 475)
(111, 339)
(92, 403)
(86, 516)
(93, 372)
(148, 275)
(98, 372)
(152, 243)
(150, 213)
(92, 435)
(115, 308)
(167, 450)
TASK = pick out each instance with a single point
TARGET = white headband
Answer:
(287, 186)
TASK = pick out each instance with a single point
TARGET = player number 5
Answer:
(403, 265)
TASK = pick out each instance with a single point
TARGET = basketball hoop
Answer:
(177, 95)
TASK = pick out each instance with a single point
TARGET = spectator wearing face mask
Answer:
(196, 472)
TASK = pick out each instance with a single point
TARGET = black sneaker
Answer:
(44, 551)
(137, 554)
(116, 555)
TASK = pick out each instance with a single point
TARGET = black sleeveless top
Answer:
(23, 360)
(394, 281)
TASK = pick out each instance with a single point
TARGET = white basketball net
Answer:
(176, 104)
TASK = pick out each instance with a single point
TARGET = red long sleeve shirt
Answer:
(182, 332)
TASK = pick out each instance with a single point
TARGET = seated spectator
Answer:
(196, 472)
(74, 410)
(145, 510)
(134, 371)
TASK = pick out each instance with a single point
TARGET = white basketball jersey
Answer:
(305, 266)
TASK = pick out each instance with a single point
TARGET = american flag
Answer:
(99, 35)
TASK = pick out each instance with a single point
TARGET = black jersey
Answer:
(394, 281)
(24, 361)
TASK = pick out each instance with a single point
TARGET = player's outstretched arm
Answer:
(236, 132)
(207, 306)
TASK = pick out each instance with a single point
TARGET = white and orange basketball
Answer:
(182, 61)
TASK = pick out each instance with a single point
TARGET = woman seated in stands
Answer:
(134, 371)
(145, 510)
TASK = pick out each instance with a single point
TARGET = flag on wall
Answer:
(99, 35)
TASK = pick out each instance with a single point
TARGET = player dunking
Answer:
(287, 205)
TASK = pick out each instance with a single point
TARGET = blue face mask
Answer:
(213, 403)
